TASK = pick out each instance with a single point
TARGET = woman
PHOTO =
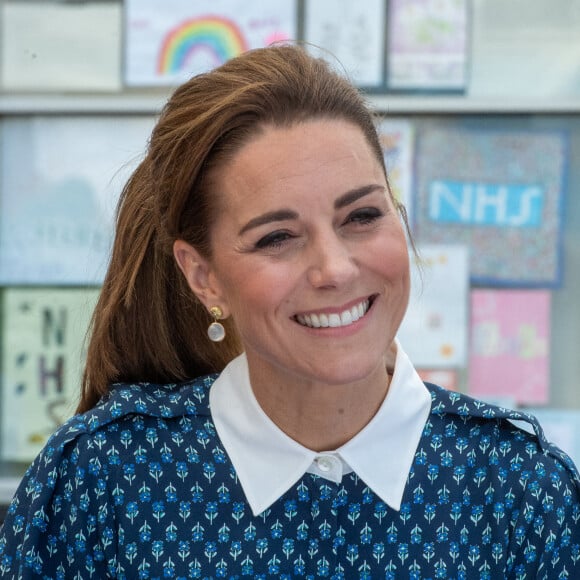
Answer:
(296, 440)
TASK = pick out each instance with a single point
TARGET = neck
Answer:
(321, 417)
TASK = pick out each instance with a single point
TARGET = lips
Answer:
(335, 319)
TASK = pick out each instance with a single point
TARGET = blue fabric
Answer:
(140, 487)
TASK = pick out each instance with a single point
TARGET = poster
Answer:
(427, 44)
(351, 35)
(397, 141)
(434, 330)
(43, 336)
(493, 190)
(50, 46)
(168, 42)
(60, 179)
(510, 343)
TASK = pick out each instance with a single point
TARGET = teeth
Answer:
(334, 320)
(346, 318)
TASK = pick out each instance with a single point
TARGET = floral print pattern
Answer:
(141, 488)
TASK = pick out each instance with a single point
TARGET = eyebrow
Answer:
(287, 214)
(266, 218)
(355, 194)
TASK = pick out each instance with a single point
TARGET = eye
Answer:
(364, 216)
(273, 240)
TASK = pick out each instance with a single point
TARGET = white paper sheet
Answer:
(352, 33)
(42, 358)
(434, 331)
(561, 427)
(60, 178)
(525, 48)
(48, 46)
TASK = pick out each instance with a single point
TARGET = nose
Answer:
(332, 262)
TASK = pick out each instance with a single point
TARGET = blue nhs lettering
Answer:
(486, 204)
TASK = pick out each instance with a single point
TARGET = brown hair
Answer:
(148, 326)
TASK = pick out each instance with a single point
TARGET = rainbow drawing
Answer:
(219, 36)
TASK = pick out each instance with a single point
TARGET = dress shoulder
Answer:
(525, 425)
(67, 480)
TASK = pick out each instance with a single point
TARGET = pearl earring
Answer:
(216, 331)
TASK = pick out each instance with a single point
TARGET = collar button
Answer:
(325, 463)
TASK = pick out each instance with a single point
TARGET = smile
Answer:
(335, 320)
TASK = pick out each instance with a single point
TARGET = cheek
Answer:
(392, 260)
(250, 289)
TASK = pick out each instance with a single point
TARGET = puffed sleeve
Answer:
(60, 522)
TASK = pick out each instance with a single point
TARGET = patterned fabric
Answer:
(140, 487)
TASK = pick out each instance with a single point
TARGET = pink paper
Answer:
(509, 350)
(446, 378)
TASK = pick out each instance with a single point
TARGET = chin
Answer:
(344, 372)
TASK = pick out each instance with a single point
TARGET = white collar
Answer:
(268, 462)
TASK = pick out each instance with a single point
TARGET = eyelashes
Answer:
(358, 218)
(273, 240)
(365, 215)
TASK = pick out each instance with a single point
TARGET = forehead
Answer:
(312, 157)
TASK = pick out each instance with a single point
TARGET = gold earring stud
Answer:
(216, 331)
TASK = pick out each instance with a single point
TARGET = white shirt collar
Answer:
(268, 462)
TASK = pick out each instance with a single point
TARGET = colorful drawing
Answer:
(397, 141)
(427, 44)
(168, 42)
(509, 351)
(216, 35)
(492, 190)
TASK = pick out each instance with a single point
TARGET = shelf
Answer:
(398, 104)
(118, 104)
(151, 104)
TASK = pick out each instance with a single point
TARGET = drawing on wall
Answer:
(58, 194)
(434, 330)
(493, 190)
(427, 44)
(509, 350)
(220, 37)
(351, 36)
(168, 42)
(45, 329)
(397, 141)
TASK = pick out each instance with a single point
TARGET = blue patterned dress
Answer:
(141, 487)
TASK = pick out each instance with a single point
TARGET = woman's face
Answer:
(309, 256)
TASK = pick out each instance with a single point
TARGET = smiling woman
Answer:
(297, 440)
(322, 237)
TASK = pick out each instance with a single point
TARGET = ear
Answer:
(200, 276)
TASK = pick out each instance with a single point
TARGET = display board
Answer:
(74, 93)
